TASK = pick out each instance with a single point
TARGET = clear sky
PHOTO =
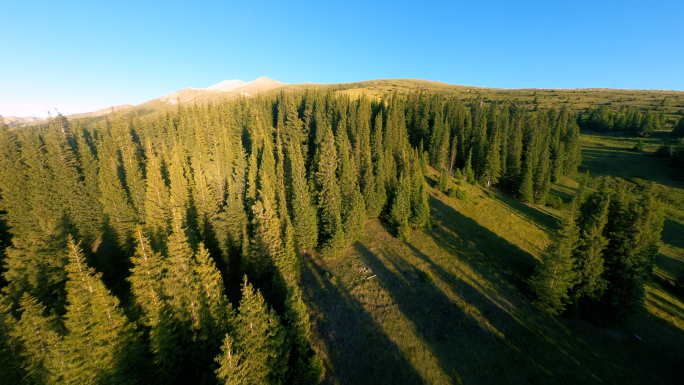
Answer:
(80, 56)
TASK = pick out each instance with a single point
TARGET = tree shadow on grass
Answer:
(358, 350)
(499, 261)
(469, 350)
(673, 233)
(528, 212)
(571, 350)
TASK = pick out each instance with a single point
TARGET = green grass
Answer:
(378, 319)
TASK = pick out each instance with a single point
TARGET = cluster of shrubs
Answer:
(457, 193)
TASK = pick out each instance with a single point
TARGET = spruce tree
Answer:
(37, 344)
(157, 196)
(100, 346)
(401, 208)
(420, 201)
(329, 199)
(555, 276)
(588, 254)
(259, 341)
(146, 279)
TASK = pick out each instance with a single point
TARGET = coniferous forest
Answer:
(168, 248)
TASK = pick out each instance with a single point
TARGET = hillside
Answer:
(310, 237)
(671, 102)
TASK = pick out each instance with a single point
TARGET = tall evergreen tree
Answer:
(555, 276)
(329, 198)
(401, 208)
(100, 346)
(258, 354)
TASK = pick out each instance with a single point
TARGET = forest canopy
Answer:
(170, 246)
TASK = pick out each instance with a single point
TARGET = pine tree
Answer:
(267, 241)
(588, 254)
(555, 276)
(157, 196)
(329, 199)
(115, 202)
(100, 345)
(635, 222)
(259, 341)
(468, 169)
(525, 192)
(231, 369)
(146, 279)
(401, 208)
(420, 201)
(38, 344)
(443, 183)
(375, 192)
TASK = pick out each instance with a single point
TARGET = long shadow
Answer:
(504, 265)
(468, 350)
(673, 233)
(528, 212)
(499, 261)
(601, 162)
(358, 350)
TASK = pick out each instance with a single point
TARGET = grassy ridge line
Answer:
(574, 99)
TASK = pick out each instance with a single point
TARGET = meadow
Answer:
(452, 304)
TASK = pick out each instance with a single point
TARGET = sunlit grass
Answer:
(377, 320)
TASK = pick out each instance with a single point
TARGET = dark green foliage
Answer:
(678, 129)
(146, 279)
(36, 342)
(639, 146)
(664, 151)
(401, 208)
(303, 211)
(555, 201)
(443, 183)
(555, 275)
(329, 198)
(428, 278)
(635, 222)
(420, 201)
(589, 262)
(257, 354)
(100, 345)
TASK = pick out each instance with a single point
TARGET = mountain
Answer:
(101, 112)
(227, 85)
(226, 88)
(262, 84)
(13, 121)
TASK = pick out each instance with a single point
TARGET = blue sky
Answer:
(79, 56)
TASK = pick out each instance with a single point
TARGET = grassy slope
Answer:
(475, 325)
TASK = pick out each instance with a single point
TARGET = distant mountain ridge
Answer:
(223, 89)
(574, 99)
(226, 88)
